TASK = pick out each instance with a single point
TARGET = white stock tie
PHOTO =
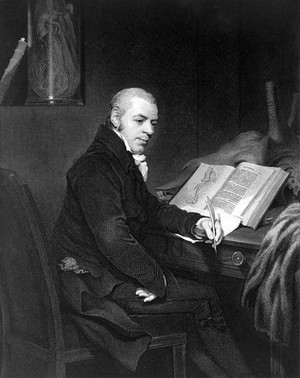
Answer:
(140, 161)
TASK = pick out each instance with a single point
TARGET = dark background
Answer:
(206, 61)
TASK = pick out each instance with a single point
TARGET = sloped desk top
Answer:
(246, 237)
(234, 257)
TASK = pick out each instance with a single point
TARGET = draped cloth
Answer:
(273, 283)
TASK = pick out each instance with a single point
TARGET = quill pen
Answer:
(212, 215)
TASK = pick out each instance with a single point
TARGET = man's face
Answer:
(137, 124)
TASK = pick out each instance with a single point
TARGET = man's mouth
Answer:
(143, 141)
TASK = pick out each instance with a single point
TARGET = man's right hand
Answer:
(146, 294)
(203, 228)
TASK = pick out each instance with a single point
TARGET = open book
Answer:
(239, 195)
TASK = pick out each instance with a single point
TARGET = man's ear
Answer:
(115, 118)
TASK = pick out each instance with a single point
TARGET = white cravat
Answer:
(140, 160)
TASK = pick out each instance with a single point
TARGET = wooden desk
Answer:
(234, 258)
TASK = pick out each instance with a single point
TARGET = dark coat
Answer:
(107, 205)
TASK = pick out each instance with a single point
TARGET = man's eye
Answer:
(139, 121)
(154, 124)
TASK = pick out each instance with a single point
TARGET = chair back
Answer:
(28, 283)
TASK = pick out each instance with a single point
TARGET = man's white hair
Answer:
(121, 101)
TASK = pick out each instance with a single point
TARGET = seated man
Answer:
(106, 273)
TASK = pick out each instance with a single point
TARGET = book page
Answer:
(206, 181)
(241, 187)
(256, 210)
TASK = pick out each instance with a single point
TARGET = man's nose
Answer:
(149, 128)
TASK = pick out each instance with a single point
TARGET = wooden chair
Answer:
(33, 326)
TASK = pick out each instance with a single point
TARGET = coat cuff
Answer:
(159, 284)
(191, 222)
(195, 235)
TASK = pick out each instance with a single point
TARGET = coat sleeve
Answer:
(170, 217)
(99, 193)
